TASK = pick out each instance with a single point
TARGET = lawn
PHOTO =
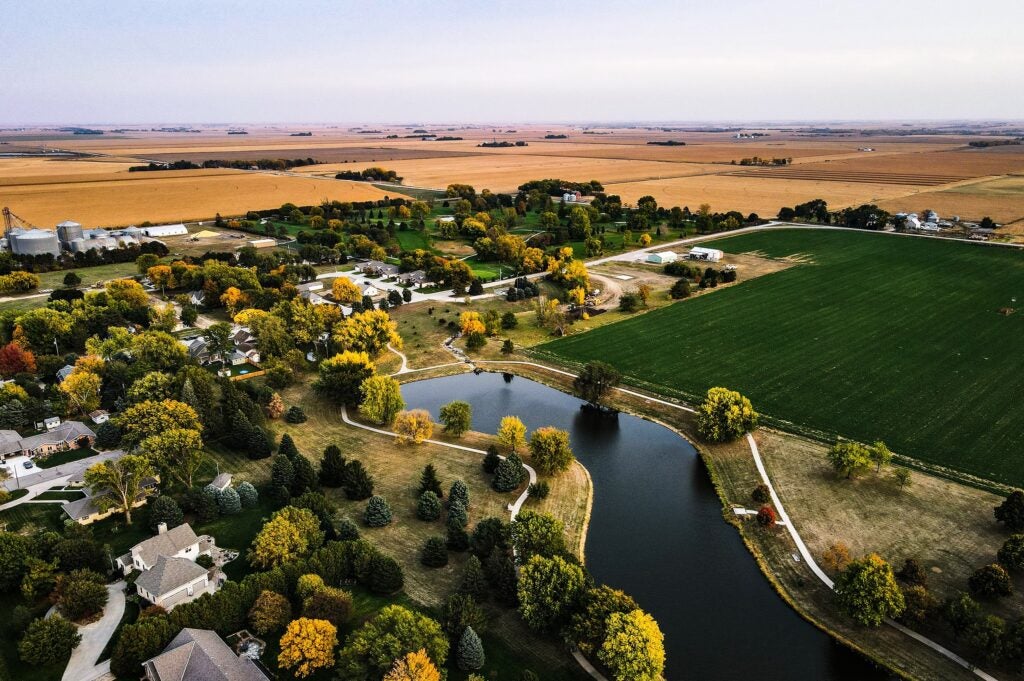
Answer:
(871, 336)
(37, 517)
(66, 456)
(411, 239)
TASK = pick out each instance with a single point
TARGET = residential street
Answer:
(35, 477)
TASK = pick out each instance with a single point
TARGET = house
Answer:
(707, 254)
(315, 285)
(222, 481)
(244, 350)
(662, 258)
(64, 372)
(414, 278)
(371, 291)
(201, 655)
(99, 416)
(65, 436)
(262, 243)
(376, 268)
(51, 422)
(314, 298)
(86, 510)
(170, 574)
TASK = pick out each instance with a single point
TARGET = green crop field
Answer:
(873, 337)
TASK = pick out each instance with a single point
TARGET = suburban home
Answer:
(244, 348)
(315, 285)
(67, 435)
(201, 655)
(377, 268)
(86, 510)
(415, 278)
(314, 298)
(99, 416)
(662, 258)
(706, 254)
(371, 291)
(50, 423)
(167, 563)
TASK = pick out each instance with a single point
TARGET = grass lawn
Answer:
(89, 275)
(60, 495)
(871, 337)
(411, 239)
(64, 457)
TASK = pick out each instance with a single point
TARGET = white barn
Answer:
(662, 258)
(708, 254)
(165, 230)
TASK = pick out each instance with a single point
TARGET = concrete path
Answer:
(404, 369)
(58, 474)
(82, 665)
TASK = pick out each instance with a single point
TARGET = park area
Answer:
(870, 336)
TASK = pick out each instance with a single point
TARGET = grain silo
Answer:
(68, 231)
(33, 241)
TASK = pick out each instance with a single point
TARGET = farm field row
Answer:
(1001, 198)
(877, 337)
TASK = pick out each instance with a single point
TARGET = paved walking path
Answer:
(82, 665)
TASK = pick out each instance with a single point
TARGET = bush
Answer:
(539, 490)
(295, 415)
(629, 302)
(205, 561)
(679, 290)
(48, 641)
(308, 584)
(230, 501)
(386, 575)
(1011, 511)
(165, 509)
(434, 553)
(347, 530)
(766, 517)
(509, 321)
(248, 495)
(378, 513)
(470, 653)
(491, 460)
(428, 508)
(912, 573)
(761, 494)
(80, 594)
(991, 581)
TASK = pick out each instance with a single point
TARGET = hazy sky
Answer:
(83, 61)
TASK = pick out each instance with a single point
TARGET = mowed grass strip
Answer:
(872, 336)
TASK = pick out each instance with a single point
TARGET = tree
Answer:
(229, 501)
(308, 584)
(550, 451)
(178, 451)
(595, 381)
(589, 626)
(118, 483)
(378, 512)
(902, 476)
(1011, 553)
(345, 291)
(766, 517)
(991, 581)
(189, 315)
(275, 407)
(393, 633)
(358, 482)
(328, 603)
(849, 458)
(725, 415)
(912, 573)
(248, 495)
(428, 508)
(164, 509)
(382, 399)
(680, 289)
(40, 578)
(509, 474)
(470, 652)
(295, 414)
(761, 494)
(14, 359)
(308, 645)
(457, 417)
(549, 591)
(507, 347)
(537, 534)
(413, 426)
(429, 481)
(269, 613)
(491, 460)
(512, 433)
(509, 321)
(48, 641)
(71, 279)
(474, 582)
(370, 332)
(921, 605)
(290, 533)
(959, 612)
(282, 473)
(879, 455)
(332, 467)
(340, 377)
(457, 516)
(82, 389)
(434, 552)
(151, 417)
(986, 634)
(415, 666)
(459, 492)
(867, 591)
(837, 556)
(634, 649)
(1011, 511)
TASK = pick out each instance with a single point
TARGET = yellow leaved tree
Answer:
(415, 666)
(414, 426)
(308, 645)
(345, 291)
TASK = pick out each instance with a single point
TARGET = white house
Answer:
(99, 416)
(371, 291)
(167, 563)
(707, 254)
(262, 243)
(662, 258)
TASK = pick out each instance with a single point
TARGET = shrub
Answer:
(509, 321)
(48, 641)
(347, 530)
(470, 652)
(539, 490)
(295, 414)
(629, 302)
(386, 575)
(766, 517)
(428, 508)
(991, 581)
(434, 552)
(1011, 554)
(680, 289)
(912, 573)
(761, 494)
(204, 561)
(378, 513)
(1011, 511)
(248, 495)
(230, 501)
(308, 584)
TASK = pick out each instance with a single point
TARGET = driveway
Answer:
(82, 665)
(58, 474)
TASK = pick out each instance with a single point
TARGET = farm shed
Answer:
(662, 258)
(262, 243)
(165, 230)
(708, 254)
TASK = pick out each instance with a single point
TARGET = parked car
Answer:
(28, 464)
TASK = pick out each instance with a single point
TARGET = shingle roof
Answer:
(80, 508)
(201, 655)
(165, 544)
(169, 574)
(10, 442)
(69, 431)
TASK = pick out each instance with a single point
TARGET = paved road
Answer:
(82, 665)
(57, 474)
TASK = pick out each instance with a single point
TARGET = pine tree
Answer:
(288, 448)
(241, 430)
(474, 583)
(358, 483)
(280, 495)
(501, 573)
(470, 653)
(434, 553)
(457, 517)
(378, 513)
(429, 481)
(189, 397)
(509, 475)
(491, 460)
(457, 539)
(332, 467)
(459, 492)
(282, 472)
(248, 495)
(428, 507)
(305, 477)
(229, 501)
(347, 530)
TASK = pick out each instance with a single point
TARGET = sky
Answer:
(447, 61)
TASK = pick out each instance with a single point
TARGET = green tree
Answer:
(1011, 511)
(80, 594)
(332, 467)
(178, 451)
(117, 483)
(270, 613)
(550, 451)
(48, 641)
(991, 581)
(634, 649)
(340, 377)
(725, 415)
(248, 495)
(329, 603)
(434, 552)
(470, 652)
(382, 399)
(457, 417)
(595, 381)
(986, 635)
(71, 279)
(378, 512)
(40, 578)
(474, 582)
(549, 591)
(459, 492)
(428, 508)
(229, 501)
(879, 455)
(537, 534)
(358, 482)
(849, 458)
(680, 289)
(960, 612)
(509, 474)
(164, 509)
(491, 460)
(429, 481)
(394, 632)
(902, 476)
(867, 591)
(588, 628)
(460, 611)
(1011, 554)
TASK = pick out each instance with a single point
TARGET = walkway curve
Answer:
(82, 665)
(405, 360)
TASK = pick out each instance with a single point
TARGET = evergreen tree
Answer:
(258, 443)
(509, 474)
(189, 397)
(474, 583)
(282, 472)
(470, 653)
(332, 467)
(460, 611)
(429, 481)
(434, 553)
(358, 483)
(457, 517)
(248, 495)
(378, 513)
(428, 508)
(457, 539)
(295, 415)
(305, 477)
(230, 501)
(491, 460)
(459, 492)
(165, 509)
(347, 530)
(501, 573)
(108, 435)
(385, 575)
(288, 448)
(280, 495)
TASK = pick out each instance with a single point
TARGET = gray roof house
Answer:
(64, 372)
(169, 574)
(68, 435)
(200, 655)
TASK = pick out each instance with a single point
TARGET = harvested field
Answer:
(16, 171)
(172, 196)
(837, 175)
(761, 196)
(325, 154)
(964, 164)
(1001, 199)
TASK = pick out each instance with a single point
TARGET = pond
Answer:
(657, 533)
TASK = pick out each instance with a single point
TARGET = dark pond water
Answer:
(657, 533)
